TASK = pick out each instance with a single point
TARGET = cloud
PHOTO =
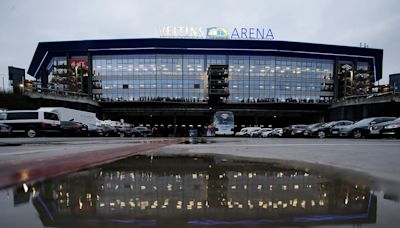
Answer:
(25, 23)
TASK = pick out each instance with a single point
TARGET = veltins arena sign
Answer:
(216, 33)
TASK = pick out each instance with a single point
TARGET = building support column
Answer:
(336, 79)
(90, 75)
(174, 124)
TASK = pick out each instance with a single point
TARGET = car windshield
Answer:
(330, 124)
(364, 121)
(314, 125)
(266, 129)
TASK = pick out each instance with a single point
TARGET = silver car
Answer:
(360, 129)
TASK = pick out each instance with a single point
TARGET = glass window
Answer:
(50, 116)
(22, 115)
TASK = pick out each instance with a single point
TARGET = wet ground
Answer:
(200, 191)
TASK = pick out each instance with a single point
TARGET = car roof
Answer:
(22, 111)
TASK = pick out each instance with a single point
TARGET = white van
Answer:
(31, 122)
(246, 131)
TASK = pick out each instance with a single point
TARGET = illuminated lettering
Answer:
(244, 33)
(216, 33)
(251, 33)
(259, 34)
(269, 35)
(235, 34)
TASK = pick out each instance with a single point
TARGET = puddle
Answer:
(195, 191)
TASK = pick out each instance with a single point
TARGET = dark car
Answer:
(310, 128)
(294, 130)
(95, 130)
(125, 130)
(5, 130)
(360, 129)
(386, 129)
(326, 130)
(141, 131)
(72, 128)
(110, 130)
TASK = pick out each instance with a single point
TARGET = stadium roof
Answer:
(45, 51)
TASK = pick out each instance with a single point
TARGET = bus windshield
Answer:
(224, 118)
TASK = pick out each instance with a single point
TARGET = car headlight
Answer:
(392, 126)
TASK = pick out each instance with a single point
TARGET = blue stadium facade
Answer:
(269, 74)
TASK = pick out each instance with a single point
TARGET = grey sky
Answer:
(343, 22)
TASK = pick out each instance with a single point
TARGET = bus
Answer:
(224, 123)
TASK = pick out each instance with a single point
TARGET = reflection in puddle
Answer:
(196, 191)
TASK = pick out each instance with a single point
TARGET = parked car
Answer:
(266, 132)
(246, 131)
(277, 132)
(259, 132)
(125, 130)
(95, 130)
(141, 131)
(241, 132)
(391, 128)
(360, 129)
(327, 129)
(5, 130)
(255, 133)
(110, 131)
(31, 122)
(310, 128)
(251, 130)
(72, 128)
(294, 130)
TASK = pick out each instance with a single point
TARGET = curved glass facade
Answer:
(184, 78)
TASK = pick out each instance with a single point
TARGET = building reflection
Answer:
(200, 191)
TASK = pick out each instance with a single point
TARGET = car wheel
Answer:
(122, 134)
(321, 134)
(357, 134)
(31, 132)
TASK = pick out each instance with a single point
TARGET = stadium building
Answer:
(167, 81)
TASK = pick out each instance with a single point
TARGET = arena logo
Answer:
(216, 33)
(252, 34)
